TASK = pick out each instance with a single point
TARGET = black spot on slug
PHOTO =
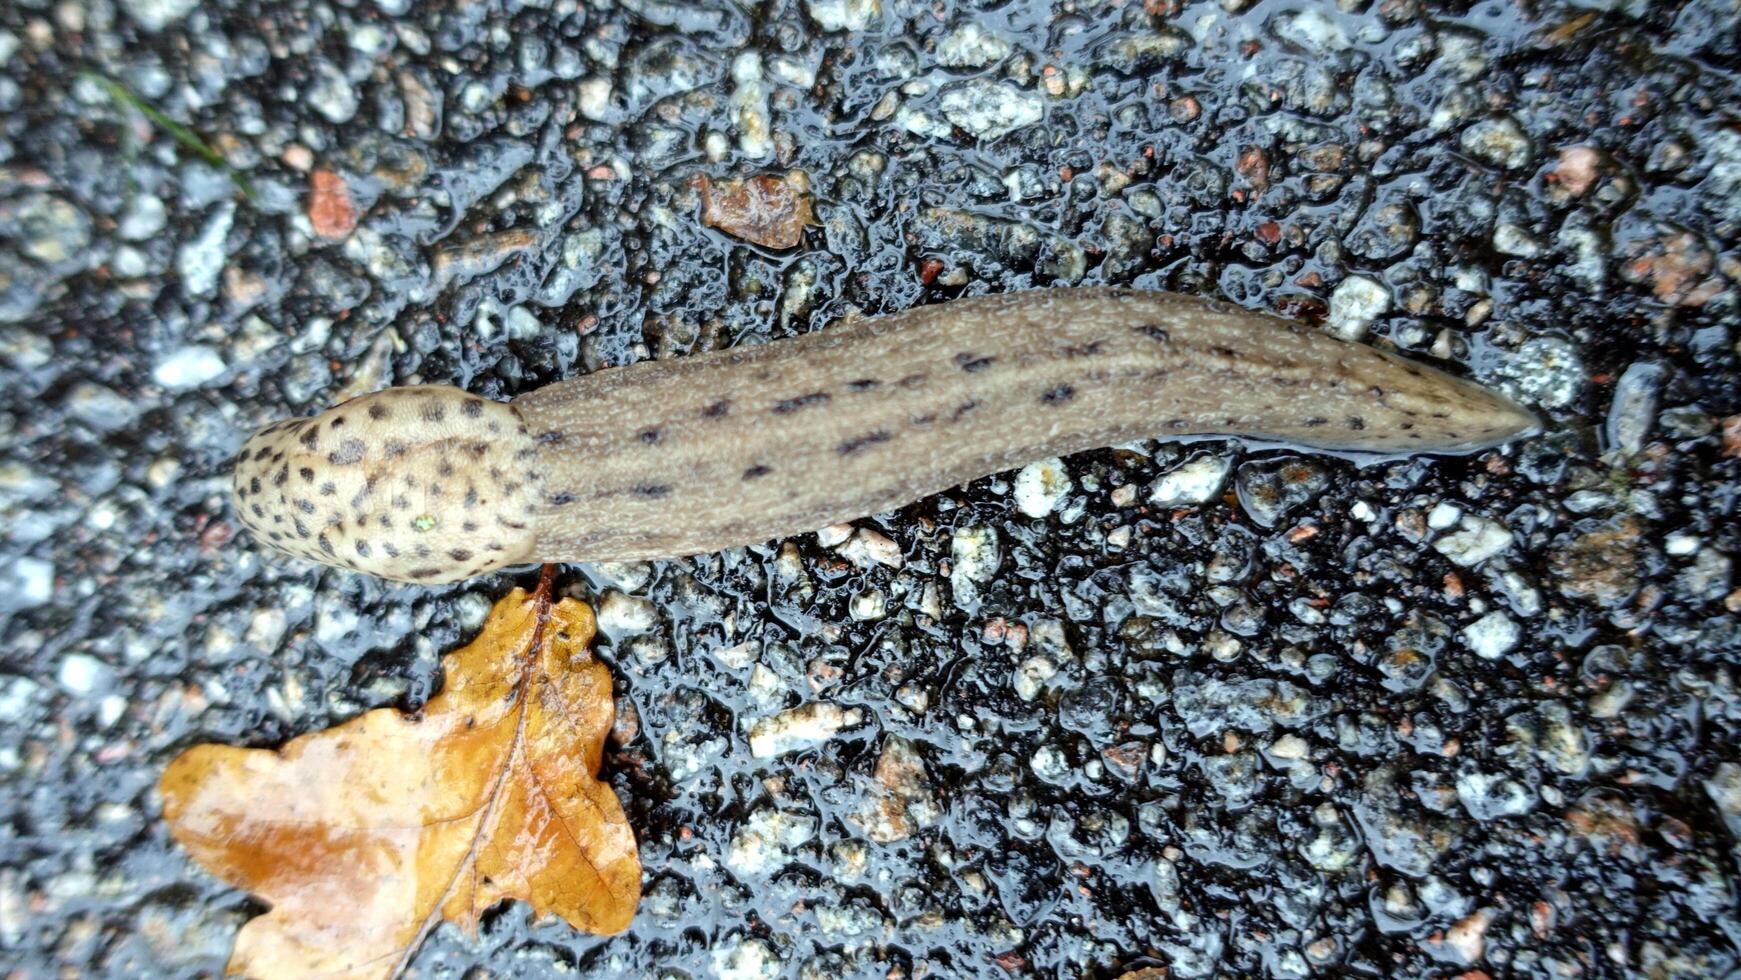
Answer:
(863, 384)
(379, 411)
(459, 554)
(650, 436)
(472, 408)
(1315, 421)
(311, 437)
(445, 468)
(1356, 423)
(424, 572)
(350, 451)
(562, 498)
(306, 473)
(328, 488)
(1220, 350)
(718, 409)
(1058, 395)
(853, 445)
(254, 485)
(362, 548)
(965, 407)
(911, 381)
(791, 405)
(553, 436)
(1084, 350)
(432, 411)
(653, 490)
(756, 471)
(1154, 332)
(394, 449)
(971, 364)
(338, 421)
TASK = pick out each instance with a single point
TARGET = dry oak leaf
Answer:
(769, 211)
(363, 837)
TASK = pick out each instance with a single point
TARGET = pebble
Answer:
(1724, 789)
(1475, 540)
(201, 258)
(1633, 410)
(843, 15)
(1270, 490)
(83, 674)
(1500, 141)
(622, 615)
(1041, 486)
(101, 408)
(745, 959)
(48, 229)
(28, 583)
(1209, 706)
(142, 220)
(155, 15)
(987, 109)
(971, 46)
(975, 556)
(331, 94)
(802, 727)
(189, 367)
(1356, 302)
(1492, 636)
(1193, 482)
(1545, 371)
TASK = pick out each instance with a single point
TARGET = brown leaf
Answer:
(363, 837)
(769, 211)
(330, 211)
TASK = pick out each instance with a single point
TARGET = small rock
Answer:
(100, 408)
(770, 211)
(975, 555)
(1492, 636)
(1270, 490)
(1040, 487)
(1634, 409)
(799, 728)
(82, 674)
(971, 46)
(987, 109)
(1192, 482)
(1476, 540)
(155, 15)
(331, 94)
(1545, 371)
(1500, 141)
(330, 210)
(904, 801)
(28, 583)
(188, 367)
(1356, 302)
(622, 615)
(843, 15)
(1724, 789)
(201, 258)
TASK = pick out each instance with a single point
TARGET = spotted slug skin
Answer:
(667, 458)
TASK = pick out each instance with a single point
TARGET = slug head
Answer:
(418, 484)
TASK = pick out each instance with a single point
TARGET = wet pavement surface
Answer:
(1228, 709)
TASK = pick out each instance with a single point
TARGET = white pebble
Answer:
(1492, 636)
(82, 673)
(800, 728)
(1191, 483)
(1041, 486)
(1476, 540)
(621, 615)
(28, 583)
(1443, 516)
(189, 367)
(1356, 302)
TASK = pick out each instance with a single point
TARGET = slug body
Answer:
(668, 458)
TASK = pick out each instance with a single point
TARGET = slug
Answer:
(668, 458)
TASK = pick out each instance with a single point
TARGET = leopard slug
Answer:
(678, 457)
